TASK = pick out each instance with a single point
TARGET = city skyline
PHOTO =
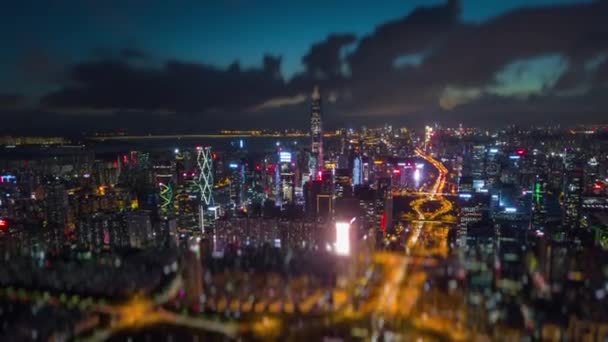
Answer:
(445, 61)
(304, 170)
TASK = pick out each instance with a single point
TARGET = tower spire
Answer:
(316, 95)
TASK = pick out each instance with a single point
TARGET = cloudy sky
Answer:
(191, 66)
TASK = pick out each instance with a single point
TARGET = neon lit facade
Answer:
(166, 193)
(204, 180)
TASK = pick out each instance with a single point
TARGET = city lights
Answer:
(342, 246)
(285, 157)
(440, 176)
(417, 175)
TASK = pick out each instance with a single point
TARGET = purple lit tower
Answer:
(316, 133)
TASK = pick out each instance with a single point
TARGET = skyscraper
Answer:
(357, 171)
(56, 203)
(573, 189)
(139, 227)
(539, 203)
(316, 133)
(56, 206)
(193, 272)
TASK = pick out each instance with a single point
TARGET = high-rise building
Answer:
(539, 203)
(165, 175)
(193, 272)
(316, 133)
(186, 208)
(285, 178)
(343, 185)
(102, 230)
(572, 189)
(139, 227)
(478, 162)
(357, 171)
(56, 205)
(428, 134)
(573, 192)
(318, 199)
(204, 181)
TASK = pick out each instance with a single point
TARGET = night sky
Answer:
(191, 66)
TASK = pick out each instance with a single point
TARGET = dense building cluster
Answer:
(482, 232)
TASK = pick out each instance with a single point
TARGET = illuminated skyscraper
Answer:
(539, 203)
(572, 189)
(428, 133)
(164, 174)
(357, 171)
(284, 178)
(316, 133)
(205, 174)
(204, 181)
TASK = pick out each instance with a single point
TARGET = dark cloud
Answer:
(11, 101)
(40, 66)
(422, 30)
(474, 56)
(132, 53)
(453, 79)
(323, 61)
(554, 109)
(466, 57)
(175, 87)
(602, 73)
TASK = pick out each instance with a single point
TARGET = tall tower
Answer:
(316, 133)
(204, 181)
(572, 188)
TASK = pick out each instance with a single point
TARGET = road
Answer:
(428, 238)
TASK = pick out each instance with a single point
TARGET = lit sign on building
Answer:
(478, 184)
(342, 238)
(285, 157)
(7, 179)
(417, 175)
